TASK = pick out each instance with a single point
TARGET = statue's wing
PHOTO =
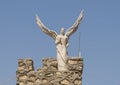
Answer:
(74, 27)
(51, 33)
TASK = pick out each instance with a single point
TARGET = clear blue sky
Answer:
(20, 37)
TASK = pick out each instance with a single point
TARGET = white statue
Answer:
(61, 40)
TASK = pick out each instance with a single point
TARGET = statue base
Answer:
(49, 74)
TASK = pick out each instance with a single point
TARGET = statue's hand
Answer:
(67, 45)
(57, 41)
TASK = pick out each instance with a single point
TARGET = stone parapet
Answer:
(48, 73)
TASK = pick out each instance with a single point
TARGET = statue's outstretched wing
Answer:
(51, 33)
(74, 27)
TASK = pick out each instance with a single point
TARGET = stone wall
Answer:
(48, 74)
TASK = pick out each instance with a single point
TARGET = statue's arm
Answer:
(74, 27)
(51, 33)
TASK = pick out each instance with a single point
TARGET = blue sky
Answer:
(20, 36)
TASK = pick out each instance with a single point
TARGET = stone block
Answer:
(48, 73)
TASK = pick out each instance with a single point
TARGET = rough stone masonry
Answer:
(48, 74)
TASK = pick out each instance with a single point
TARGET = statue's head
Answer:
(62, 31)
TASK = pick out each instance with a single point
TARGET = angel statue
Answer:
(61, 40)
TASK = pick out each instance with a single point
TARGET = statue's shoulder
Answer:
(58, 36)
